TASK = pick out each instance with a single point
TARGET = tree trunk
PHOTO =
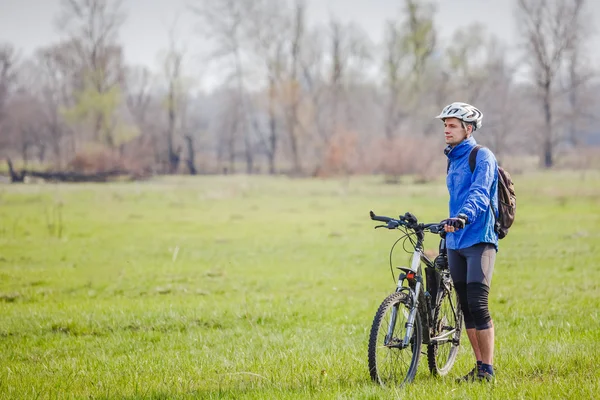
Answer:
(231, 143)
(98, 127)
(191, 164)
(248, 151)
(14, 177)
(573, 131)
(56, 135)
(231, 157)
(547, 160)
(293, 114)
(24, 151)
(172, 157)
(272, 143)
(41, 153)
(294, 145)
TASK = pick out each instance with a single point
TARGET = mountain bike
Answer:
(421, 311)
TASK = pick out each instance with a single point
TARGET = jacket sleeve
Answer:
(479, 196)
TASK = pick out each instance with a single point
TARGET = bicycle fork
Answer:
(410, 323)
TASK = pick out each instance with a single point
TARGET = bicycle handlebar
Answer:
(408, 220)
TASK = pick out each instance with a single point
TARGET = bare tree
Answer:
(550, 29)
(143, 104)
(467, 56)
(315, 72)
(293, 106)
(494, 92)
(26, 124)
(138, 96)
(8, 59)
(337, 67)
(224, 22)
(226, 127)
(57, 84)
(393, 78)
(481, 74)
(48, 87)
(268, 28)
(175, 99)
(579, 76)
(92, 27)
(420, 37)
(409, 44)
(24, 116)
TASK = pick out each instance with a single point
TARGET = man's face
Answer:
(454, 131)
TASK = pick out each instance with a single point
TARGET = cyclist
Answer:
(472, 241)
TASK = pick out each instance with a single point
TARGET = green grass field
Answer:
(258, 287)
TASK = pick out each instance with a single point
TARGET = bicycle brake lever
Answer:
(381, 226)
(392, 225)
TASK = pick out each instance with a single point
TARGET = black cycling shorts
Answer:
(474, 264)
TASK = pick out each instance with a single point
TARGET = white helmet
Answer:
(463, 111)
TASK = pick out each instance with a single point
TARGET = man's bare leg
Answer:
(485, 342)
(474, 339)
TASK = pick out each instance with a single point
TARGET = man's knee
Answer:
(461, 291)
(477, 299)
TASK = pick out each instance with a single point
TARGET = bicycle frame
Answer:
(419, 297)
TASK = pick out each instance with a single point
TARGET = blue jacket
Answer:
(472, 194)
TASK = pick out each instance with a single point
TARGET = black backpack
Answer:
(507, 199)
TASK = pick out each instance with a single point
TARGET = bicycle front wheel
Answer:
(447, 326)
(390, 362)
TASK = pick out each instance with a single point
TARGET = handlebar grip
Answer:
(378, 218)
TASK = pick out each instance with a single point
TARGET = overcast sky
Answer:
(29, 24)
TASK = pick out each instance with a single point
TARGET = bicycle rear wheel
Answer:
(389, 362)
(447, 326)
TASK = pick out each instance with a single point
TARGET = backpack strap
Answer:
(472, 162)
(473, 157)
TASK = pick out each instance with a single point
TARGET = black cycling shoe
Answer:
(470, 377)
(485, 377)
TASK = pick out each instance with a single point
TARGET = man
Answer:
(471, 240)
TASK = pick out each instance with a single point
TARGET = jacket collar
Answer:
(460, 149)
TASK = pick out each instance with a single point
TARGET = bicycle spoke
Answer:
(443, 350)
